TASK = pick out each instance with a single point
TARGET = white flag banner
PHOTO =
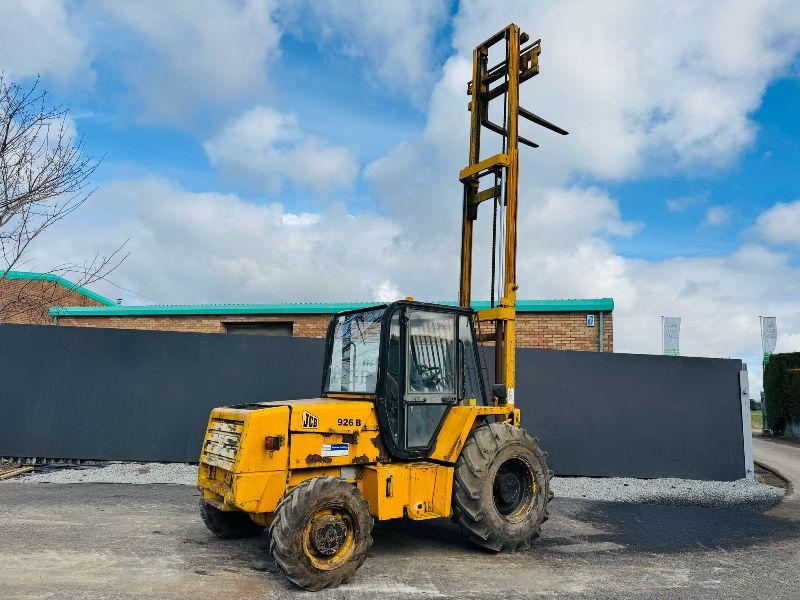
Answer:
(671, 335)
(769, 336)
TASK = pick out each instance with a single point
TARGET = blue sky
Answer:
(284, 150)
(335, 97)
(765, 173)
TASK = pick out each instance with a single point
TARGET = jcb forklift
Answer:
(405, 425)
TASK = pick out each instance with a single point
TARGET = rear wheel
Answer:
(321, 533)
(501, 488)
(228, 524)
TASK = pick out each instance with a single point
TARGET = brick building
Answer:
(25, 297)
(580, 324)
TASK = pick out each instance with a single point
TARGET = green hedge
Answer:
(782, 389)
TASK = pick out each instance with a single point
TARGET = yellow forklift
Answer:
(406, 425)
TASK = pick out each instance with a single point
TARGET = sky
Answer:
(290, 150)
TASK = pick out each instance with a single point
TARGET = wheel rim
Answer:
(328, 538)
(514, 489)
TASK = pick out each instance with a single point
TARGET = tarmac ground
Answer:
(147, 541)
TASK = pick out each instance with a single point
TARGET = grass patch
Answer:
(755, 420)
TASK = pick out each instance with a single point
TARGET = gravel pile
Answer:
(613, 489)
(118, 472)
(691, 492)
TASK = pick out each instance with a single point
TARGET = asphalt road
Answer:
(782, 456)
(147, 541)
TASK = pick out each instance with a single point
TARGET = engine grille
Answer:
(222, 443)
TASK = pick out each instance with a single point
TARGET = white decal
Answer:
(335, 449)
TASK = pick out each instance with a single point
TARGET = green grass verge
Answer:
(755, 420)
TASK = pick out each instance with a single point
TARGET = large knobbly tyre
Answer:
(501, 488)
(228, 524)
(321, 533)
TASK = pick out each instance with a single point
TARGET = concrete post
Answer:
(747, 433)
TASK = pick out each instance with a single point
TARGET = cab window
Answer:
(431, 367)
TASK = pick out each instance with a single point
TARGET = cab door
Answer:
(430, 374)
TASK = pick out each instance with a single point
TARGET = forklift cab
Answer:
(416, 360)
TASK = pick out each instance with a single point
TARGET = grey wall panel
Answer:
(633, 415)
(145, 395)
(86, 393)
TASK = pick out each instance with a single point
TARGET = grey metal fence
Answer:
(84, 393)
(634, 415)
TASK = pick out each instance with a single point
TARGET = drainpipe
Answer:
(600, 332)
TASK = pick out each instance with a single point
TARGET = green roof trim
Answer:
(30, 275)
(569, 305)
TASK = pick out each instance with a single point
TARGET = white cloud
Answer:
(187, 56)
(396, 39)
(683, 203)
(602, 78)
(179, 58)
(267, 148)
(562, 215)
(188, 247)
(386, 291)
(35, 38)
(717, 215)
(300, 220)
(780, 224)
(640, 86)
(209, 247)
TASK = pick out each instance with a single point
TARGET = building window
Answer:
(279, 329)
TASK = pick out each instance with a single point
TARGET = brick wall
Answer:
(564, 331)
(303, 325)
(559, 331)
(28, 300)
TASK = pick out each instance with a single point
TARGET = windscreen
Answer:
(353, 361)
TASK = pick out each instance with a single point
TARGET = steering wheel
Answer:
(431, 376)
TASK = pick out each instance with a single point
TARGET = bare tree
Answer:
(44, 176)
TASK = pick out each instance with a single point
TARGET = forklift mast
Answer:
(521, 63)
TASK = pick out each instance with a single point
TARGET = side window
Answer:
(470, 385)
(353, 363)
(393, 376)
(431, 352)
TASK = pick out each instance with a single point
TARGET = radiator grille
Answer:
(222, 443)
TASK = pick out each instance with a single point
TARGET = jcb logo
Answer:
(309, 420)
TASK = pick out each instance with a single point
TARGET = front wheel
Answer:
(321, 533)
(501, 488)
